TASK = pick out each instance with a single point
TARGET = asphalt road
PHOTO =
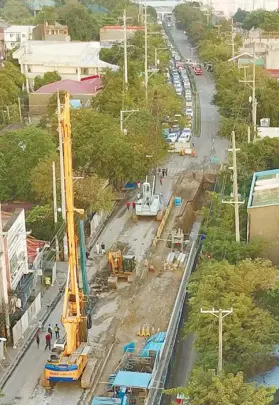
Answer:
(208, 145)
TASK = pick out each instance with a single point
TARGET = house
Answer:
(246, 58)
(82, 91)
(16, 35)
(115, 33)
(262, 41)
(51, 31)
(72, 60)
(263, 211)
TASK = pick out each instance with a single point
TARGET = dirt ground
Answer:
(148, 301)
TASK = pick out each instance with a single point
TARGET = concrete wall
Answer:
(38, 102)
(272, 59)
(263, 222)
(114, 35)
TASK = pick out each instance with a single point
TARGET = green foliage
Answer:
(219, 227)
(41, 222)
(207, 388)
(46, 14)
(48, 77)
(21, 151)
(250, 332)
(14, 12)
(240, 16)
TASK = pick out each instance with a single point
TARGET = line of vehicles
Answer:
(178, 78)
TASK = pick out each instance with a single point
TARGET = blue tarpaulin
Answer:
(154, 343)
(132, 379)
(105, 401)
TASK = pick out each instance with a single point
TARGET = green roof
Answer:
(244, 61)
(264, 189)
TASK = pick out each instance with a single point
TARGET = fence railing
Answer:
(160, 374)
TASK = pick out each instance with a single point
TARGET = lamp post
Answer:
(156, 51)
(122, 119)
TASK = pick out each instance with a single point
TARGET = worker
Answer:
(40, 326)
(128, 205)
(139, 195)
(138, 184)
(103, 248)
(57, 331)
(87, 255)
(97, 248)
(134, 205)
(48, 341)
(166, 171)
(49, 329)
(38, 339)
(161, 181)
(163, 172)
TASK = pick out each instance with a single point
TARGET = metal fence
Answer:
(27, 318)
(160, 373)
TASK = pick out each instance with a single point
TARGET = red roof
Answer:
(273, 73)
(120, 27)
(91, 86)
(32, 248)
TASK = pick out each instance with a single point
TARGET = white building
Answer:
(72, 60)
(15, 247)
(15, 35)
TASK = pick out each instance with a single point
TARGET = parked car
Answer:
(172, 137)
(189, 112)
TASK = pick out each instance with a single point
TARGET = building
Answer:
(246, 58)
(82, 91)
(51, 31)
(15, 246)
(72, 60)
(263, 211)
(16, 35)
(115, 33)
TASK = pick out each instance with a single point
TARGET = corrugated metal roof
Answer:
(132, 379)
(154, 344)
(264, 189)
(72, 86)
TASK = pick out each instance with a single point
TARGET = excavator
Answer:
(70, 362)
(122, 266)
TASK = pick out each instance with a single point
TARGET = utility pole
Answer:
(125, 49)
(62, 175)
(55, 210)
(235, 201)
(220, 314)
(248, 134)
(145, 55)
(252, 99)
(19, 110)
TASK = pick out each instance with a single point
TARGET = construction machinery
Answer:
(70, 361)
(150, 204)
(122, 266)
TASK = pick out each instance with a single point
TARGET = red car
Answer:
(198, 71)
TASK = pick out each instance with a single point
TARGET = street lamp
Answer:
(122, 119)
(156, 55)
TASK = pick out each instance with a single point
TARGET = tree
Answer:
(47, 14)
(41, 222)
(91, 192)
(82, 24)
(14, 12)
(246, 342)
(207, 388)
(240, 16)
(21, 151)
(48, 77)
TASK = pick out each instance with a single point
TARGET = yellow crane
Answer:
(68, 362)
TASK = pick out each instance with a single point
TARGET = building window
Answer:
(84, 71)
